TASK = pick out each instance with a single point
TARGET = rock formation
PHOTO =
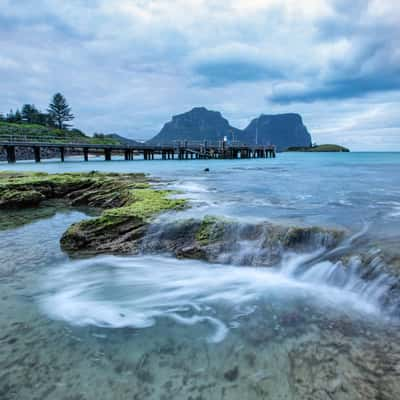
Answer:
(199, 124)
(281, 130)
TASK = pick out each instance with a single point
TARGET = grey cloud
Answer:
(371, 66)
(128, 73)
(220, 73)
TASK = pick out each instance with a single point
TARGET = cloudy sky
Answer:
(126, 66)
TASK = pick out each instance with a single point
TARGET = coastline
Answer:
(125, 207)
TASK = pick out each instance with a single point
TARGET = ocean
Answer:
(318, 324)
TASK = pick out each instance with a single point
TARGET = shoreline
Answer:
(125, 207)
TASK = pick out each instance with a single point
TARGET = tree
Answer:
(18, 116)
(10, 116)
(30, 114)
(60, 111)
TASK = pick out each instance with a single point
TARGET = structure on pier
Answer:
(181, 150)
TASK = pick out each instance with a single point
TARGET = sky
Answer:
(127, 66)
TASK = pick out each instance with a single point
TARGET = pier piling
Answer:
(36, 151)
(184, 150)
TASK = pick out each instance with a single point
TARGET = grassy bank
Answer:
(30, 132)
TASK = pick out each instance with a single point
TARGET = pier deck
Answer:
(181, 150)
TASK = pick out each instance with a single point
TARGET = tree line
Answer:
(57, 115)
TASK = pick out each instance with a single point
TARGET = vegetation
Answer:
(41, 133)
(33, 125)
(60, 111)
(211, 230)
(320, 148)
(145, 203)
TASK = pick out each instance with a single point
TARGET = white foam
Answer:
(119, 292)
(192, 187)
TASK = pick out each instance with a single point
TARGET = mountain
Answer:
(199, 124)
(122, 140)
(281, 130)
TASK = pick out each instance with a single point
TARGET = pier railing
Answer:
(182, 149)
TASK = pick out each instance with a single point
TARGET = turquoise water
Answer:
(348, 189)
(153, 327)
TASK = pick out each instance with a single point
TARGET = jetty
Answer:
(181, 150)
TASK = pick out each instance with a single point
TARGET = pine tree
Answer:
(30, 114)
(18, 116)
(60, 111)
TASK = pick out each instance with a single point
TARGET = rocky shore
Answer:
(125, 204)
(126, 207)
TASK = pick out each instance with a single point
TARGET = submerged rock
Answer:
(227, 241)
(232, 374)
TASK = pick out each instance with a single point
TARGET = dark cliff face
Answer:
(281, 130)
(199, 124)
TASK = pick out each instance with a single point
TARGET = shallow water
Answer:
(155, 327)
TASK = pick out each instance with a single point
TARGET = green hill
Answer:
(321, 149)
(40, 133)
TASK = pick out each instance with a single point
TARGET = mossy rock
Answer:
(120, 229)
(10, 198)
(100, 235)
(127, 200)
(93, 189)
(212, 229)
(146, 203)
(299, 236)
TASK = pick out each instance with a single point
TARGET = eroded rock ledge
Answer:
(226, 241)
(125, 203)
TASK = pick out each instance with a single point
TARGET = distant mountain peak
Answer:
(199, 124)
(282, 130)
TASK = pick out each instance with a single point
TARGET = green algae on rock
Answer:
(127, 200)
(120, 229)
(93, 189)
(20, 198)
(211, 229)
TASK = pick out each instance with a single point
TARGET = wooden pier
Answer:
(182, 150)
